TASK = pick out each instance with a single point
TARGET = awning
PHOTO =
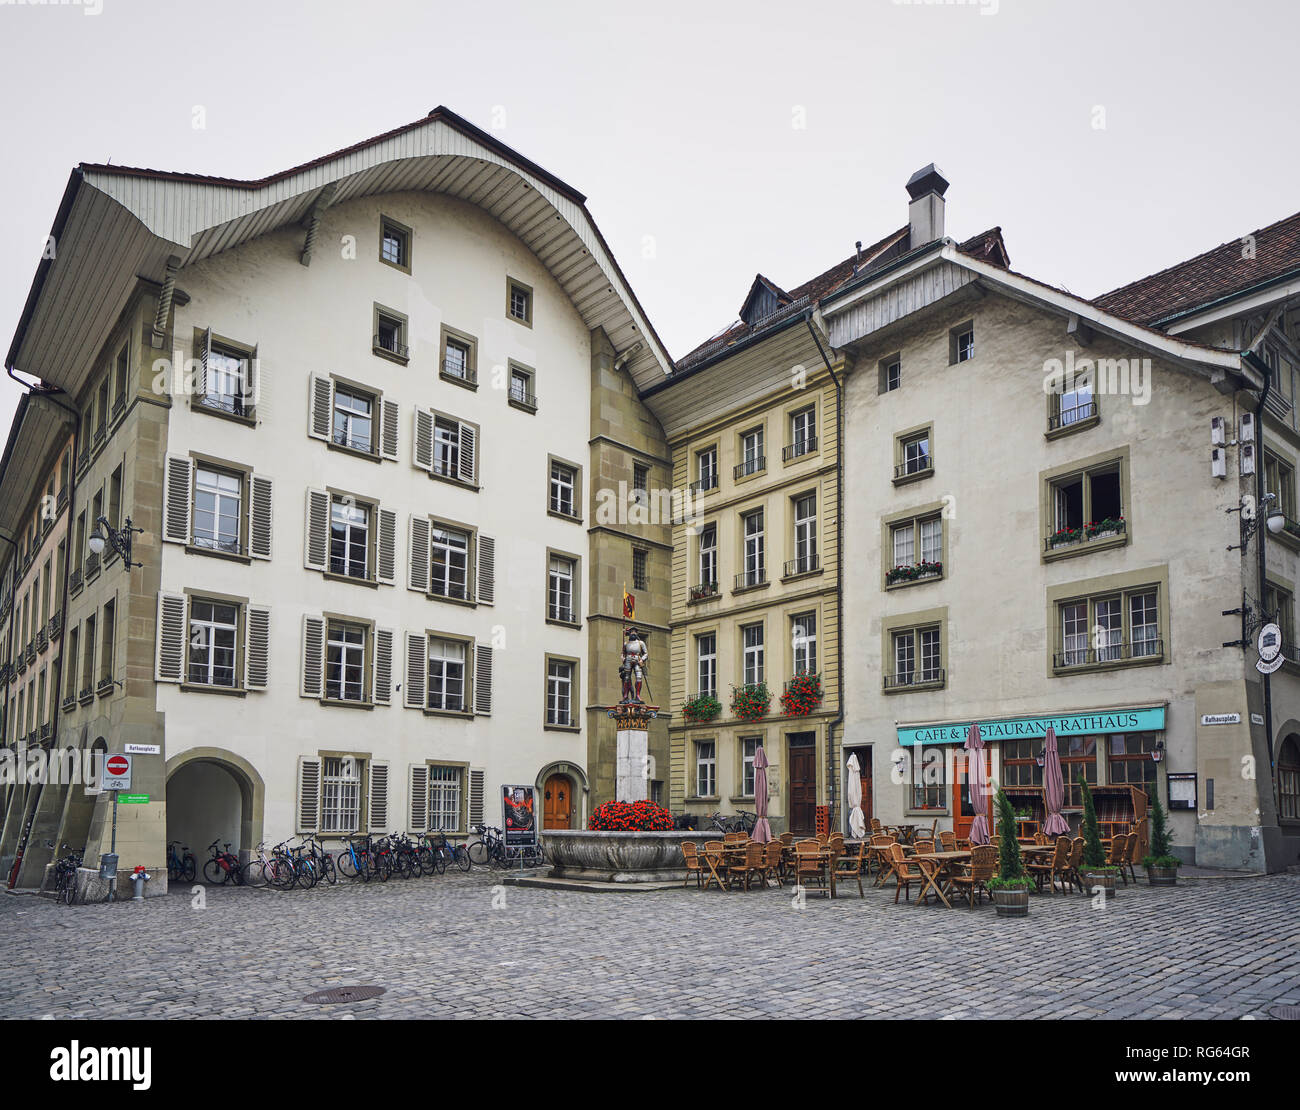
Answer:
(1142, 719)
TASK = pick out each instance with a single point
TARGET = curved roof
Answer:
(119, 223)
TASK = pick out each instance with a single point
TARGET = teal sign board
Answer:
(1070, 724)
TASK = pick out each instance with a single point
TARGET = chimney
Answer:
(925, 211)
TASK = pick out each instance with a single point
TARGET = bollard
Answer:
(138, 878)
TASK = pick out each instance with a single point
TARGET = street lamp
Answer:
(119, 539)
(1274, 519)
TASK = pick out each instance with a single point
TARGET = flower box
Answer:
(749, 703)
(701, 709)
(923, 569)
(803, 694)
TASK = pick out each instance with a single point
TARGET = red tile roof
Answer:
(1208, 277)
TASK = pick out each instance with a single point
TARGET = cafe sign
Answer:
(1149, 719)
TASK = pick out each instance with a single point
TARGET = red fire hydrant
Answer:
(138, 878)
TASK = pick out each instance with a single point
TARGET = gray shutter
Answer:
(417, 577)
(313, 657)
(422, 440)
(257, 647)
(417, 670)
(487, 569)
(389, 414)
(377, 811)
(468, 458)
(386, 547)
(418, 818)
(253, 386)
(176, 499)
(483, 680)
(382, 672)
(259, 517)
(308, 794)
(316, 543)
(320, 406)
(475, 797)
(203, 363)
(170, 666)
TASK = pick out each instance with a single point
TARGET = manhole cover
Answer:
(343, 994)
(1286, 1013)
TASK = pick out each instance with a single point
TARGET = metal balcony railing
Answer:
(703, 485)
(799, 447)
(919, 465)
(750, 466)
(524, 398)
(703, 590)
(926, 676)
(389, 343)
(748, 579)
(805, 564)
(1147, 649)
(460, 371)
(1069, 416)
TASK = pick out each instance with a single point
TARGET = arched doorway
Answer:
(1288, 779)
(214, 795)
(561, 792)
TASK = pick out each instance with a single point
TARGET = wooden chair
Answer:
(948, 841)
(786, 838)
(934, 830)
(852, 867)
(1076, 861)
(879, 852)
(1119, 854)
(694, 865)
(906, 871)
(1058, 865)
(809, 865)
(876, 826)
(823, 838)
(1134, 847)
(1041, 838)
(734, 837)
(740, 871)
(836, 846)
(969, 884)
(773, 863)
(923, 847)
(713, 861)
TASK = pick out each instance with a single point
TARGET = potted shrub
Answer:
(749, 703)
(802, 695)
(703, 590)
(1162, 865)
(1094, 871)
(1010, 886)
(703, 708)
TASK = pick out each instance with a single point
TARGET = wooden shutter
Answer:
(170, 666)
(313, 656)
(422, 440)
(259, 517)
(386, 547)
(483, 680)
(417, 670)
(417, 577)
(206, 342)
(316, 543)
(257, 647)
(382, 671)
(177, 495)
(487, 569)
(253, 386)
(389, 414)
(308, 794)
(377, 811)
(468, 458)
(475, 797)
(320, 404)
(418, 794)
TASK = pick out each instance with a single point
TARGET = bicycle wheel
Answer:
(381, 867)
(255, 873)
(173, 871)
(427, 865)
(306, 873)
(440, 861)
(478, 853)
(461, 857)
(280, 873)
(213, 872)
(330, 870)
(347, 864)
(188, 872)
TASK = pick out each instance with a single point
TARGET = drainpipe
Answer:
(1262, 554)
(838, 719)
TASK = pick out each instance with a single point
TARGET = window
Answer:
(70, 661)
(1288, 780)
(450, 561)
(805, 535)
(345, 662)
(444, 798)
(349, 537)
(217, 509)
(447, 675)
(226, 380)
(706, 769)
(708, 560)
(390, 333)
(748, 747)
(639, 568)
(522, 393)
(1129, 762)
(101, 409)
(1279, 480)
(803, 642)
(1078, 755)
(560, 589)
(459, 358)
(353, 419)
(706, 664)
(928, 788)
(395, 244)
(559, 692)
(751, 453)
(1020, 762)
(752, 653)
(706, 469)
(519, 302)
(1086, 505)
(1279, 606)
(961, 343)
(115, 498)
(214, 629)
(891, 373)
(88, 656)
(916, 657)
(454, 450)
(640, 483)
(120, 376)
(803, 433)
(1073, 405)
(564, 484)
(755, 571)
(908, 564)
(913, 454)
(1118, 627)
(340, 810)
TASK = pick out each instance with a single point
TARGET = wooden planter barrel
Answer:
(1162, 876)
(1011, 903)
(1094, 879)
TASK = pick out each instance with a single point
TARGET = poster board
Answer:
(519, 815)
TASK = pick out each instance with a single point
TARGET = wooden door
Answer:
(803, 787)
(963, 812)
(557, 802)
(864, 758)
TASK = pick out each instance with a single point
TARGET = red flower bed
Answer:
(631, 817)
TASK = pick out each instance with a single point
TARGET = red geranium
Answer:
(631, 817)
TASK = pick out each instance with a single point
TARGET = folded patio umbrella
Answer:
(1053, 788)
(853, 795)
(977, 785)
(762, 830)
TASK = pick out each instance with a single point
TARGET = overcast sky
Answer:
(1107, 139)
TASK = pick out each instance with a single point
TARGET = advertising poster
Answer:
(519, 814)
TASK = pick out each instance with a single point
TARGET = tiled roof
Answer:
(1210, 276)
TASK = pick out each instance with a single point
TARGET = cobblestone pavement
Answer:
(461, 946)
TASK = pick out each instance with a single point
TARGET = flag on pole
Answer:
(629, 604)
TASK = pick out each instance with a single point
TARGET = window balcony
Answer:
(100, 432)
(104, 686)
(42, 640)
(45, 731)
(389, 344)
(523, 399)
(807, 564)
(84, 460)
(750, 466)
(799, 448)
(353, 441)
(119, 406)
(703, 485)
(74, 580)
(926, 678)
(56, 624)
(563, 614)
(29, 652)
(459, 372)
(63, 499)
(232, 404)
(69, 703)
(92, 566)
(6, 673)
(917, 572)
(87, 695)
(1080, 416)
(704, 591)
(1146, 650)
(751, 579)
(452, 591)
(20, 662)
(1083, 536)
(914, 468)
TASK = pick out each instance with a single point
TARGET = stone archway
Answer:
(214, 794)
(552, 778)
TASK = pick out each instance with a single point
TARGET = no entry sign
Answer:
(117, 772)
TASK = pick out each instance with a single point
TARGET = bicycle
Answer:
(354, 861)
(322, 861)
(179, 868)
(489, 848)
(65, 878)
(446, 854)
(222, 867)
(262, 870)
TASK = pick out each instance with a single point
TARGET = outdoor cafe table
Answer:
(824, 855)
(944, 861)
